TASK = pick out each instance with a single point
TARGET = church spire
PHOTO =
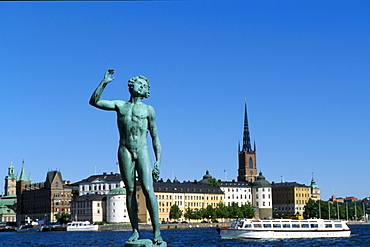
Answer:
(23, 177)
(246, 138)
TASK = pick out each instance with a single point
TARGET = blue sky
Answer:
(303, 68)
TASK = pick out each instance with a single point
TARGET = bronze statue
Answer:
(134, 120)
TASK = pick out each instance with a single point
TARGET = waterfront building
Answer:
(343, 200)
(116, 206)
(90, 200)
(193, 195)
(41, 201)
(10, 187)
(315, 190)
(7, 214)
(99, 184)
(262, 197)
(289, 198)
(247, 169)
(237, 192)
(90, 207)
(8, 201)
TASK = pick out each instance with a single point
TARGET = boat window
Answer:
(314, 225)
(267, 225)
(286, 225)
(305, 226)
(338, 225)
(257, 225)
(328, 225)
(295, 225)
(248, 226)
(277, 225)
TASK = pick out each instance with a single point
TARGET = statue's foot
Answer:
(157, 238)
(134, 236)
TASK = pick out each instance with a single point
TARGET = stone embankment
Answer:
(127, 227)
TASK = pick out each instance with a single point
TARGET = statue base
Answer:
(144, 243)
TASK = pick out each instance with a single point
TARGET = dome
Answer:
(206, 177)
(117, 191)
(261, 181)
(314, 186)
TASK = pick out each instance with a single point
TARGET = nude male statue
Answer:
(134, 120)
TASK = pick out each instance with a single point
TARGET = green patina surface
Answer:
(135, 120)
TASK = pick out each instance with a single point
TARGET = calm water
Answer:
(174, 237)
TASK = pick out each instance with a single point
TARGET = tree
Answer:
(222, 211)
(209, 213)
(62, 217)
(311, 209)
(188, 213)
(247, 210)
(213, 182)
(168, 180)
(235, 211)
(175, 212)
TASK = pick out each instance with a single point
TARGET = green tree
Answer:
(311, 209)
(168, 180)
(209, 213)
(247, 210)
(62, 217)
(188, 213)
(235, 211)
(175, 212)
(222, 211)
(213, 182)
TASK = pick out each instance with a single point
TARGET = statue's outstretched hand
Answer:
(108, 75)
(155, 172)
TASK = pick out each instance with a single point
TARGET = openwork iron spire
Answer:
(246, 137)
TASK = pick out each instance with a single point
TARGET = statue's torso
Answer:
(132, 120)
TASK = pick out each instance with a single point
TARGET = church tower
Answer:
(247, 170)
(10, 187)
(21, 185)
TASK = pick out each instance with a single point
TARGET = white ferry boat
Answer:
(81, 226)
(285, 228)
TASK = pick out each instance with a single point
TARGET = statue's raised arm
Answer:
(95, 97)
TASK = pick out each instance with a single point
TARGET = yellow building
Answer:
(188, 194)
(289, 198)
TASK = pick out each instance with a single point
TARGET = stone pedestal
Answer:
(144, 243)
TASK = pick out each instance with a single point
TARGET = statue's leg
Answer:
(144, 168)
(127, 168)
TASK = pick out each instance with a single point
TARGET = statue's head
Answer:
(139, 85)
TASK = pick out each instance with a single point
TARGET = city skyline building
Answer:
(10, 186)
(247, 166)
(42, 201)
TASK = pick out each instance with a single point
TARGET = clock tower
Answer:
(10, 187)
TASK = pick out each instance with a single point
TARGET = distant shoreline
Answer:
(127, 227)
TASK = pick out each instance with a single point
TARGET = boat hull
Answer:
(29, 229)
(230, 233)
(77, 229)
(77, 226)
